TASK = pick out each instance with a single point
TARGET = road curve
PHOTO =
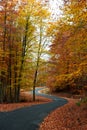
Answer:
(29, 118)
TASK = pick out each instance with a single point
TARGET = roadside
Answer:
(29, 118)
(25, 100)
(69, 117)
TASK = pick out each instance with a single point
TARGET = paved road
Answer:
(29, 118)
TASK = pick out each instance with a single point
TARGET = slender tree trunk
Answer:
(15, 82)
(23, 54)
(10, 60)
(3, 80)
(1, 94)
(15, 87)
(34, 82)
(37, 64)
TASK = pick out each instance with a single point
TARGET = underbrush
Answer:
(82, 101)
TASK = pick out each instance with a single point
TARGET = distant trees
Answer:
(69, 49)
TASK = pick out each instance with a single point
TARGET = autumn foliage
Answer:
(19, 30)
(68, 62)
(26, 29)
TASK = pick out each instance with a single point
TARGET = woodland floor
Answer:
(26, 100)
(68, 117)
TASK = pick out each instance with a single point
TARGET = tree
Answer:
(30, 22)
(69, 47)
(8, 15)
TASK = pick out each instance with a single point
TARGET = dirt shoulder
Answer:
(69, 117)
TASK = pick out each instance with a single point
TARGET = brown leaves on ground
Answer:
(67, 117)
(26, 100)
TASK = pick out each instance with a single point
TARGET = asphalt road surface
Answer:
(29, 118)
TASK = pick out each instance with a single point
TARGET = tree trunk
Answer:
(37, 64)
(23, 55)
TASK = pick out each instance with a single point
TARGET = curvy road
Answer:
(29, 118)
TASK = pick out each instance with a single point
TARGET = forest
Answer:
(36, 50)
(68, 70)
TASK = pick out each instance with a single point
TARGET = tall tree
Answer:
(31, 22)
(8, 14)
